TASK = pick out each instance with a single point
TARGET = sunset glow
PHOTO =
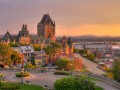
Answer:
(78, 17)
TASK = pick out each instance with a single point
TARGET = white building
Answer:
(27, 51)
(92, 46)
(115, 47)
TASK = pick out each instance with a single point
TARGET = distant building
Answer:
(23, 35)
(8, 38)
(45, 33)
(46, 28)
(67, 45)
(27, 51)
(92, 46)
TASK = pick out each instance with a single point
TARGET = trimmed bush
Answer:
(20, 74)
(72, 83)
(62, 73)
(29, 65)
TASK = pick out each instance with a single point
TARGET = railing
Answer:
(102, 78)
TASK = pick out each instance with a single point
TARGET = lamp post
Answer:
(22, 71)
(71, 68)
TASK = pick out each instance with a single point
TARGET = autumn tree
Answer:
(37, 47)
(8, 55)
(16, 57)
(5, 54)
(63, 63)
(53, 49)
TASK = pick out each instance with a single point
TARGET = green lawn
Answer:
(22, 86)
(30, 87)
(98, 88)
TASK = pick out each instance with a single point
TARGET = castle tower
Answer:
(64, 40)
(7, 37)
(23, 35)
(67, 45)
(70, 45)
(46, 28)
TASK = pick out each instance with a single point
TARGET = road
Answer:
(91, 66)
(47, 78)
(106, 86)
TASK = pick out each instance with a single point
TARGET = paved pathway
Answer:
(47, 79)
(91, 66)
(106, 86)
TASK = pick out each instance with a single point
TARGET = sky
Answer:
(72, 17)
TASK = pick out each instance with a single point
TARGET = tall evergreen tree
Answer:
(116, 70)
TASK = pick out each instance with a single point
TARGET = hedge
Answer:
(62, 73)
(72, 83)
(20, 74)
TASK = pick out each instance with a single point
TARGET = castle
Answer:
(67, 45)
(45, 33)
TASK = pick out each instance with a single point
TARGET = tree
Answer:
(12, 44)
(16, 57)
(5, 53)
(72, 83)
(37, 47)
(75, 50)
(85, 52)
(8, 55)
(91, 56)
(29, 65)
(116, 70)
(63, 63)
(53, 49)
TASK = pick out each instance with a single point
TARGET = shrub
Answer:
(62, 73)
(29, 65)
(20, 74)
(72, 83)
(63, 63)
(85, 71)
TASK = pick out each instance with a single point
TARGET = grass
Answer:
(30, 87)
(98, 88)
(22, 86)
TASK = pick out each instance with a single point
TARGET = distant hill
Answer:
(84, 38)
(92, 38)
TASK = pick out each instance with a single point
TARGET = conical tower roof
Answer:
(7, 36)
(46, 19)
(69, 40)
(24, 31)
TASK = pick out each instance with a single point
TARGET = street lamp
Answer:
(22, 71)
(71, 68)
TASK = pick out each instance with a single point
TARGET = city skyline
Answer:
(73, 18)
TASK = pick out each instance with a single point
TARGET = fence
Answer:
(102, 78)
